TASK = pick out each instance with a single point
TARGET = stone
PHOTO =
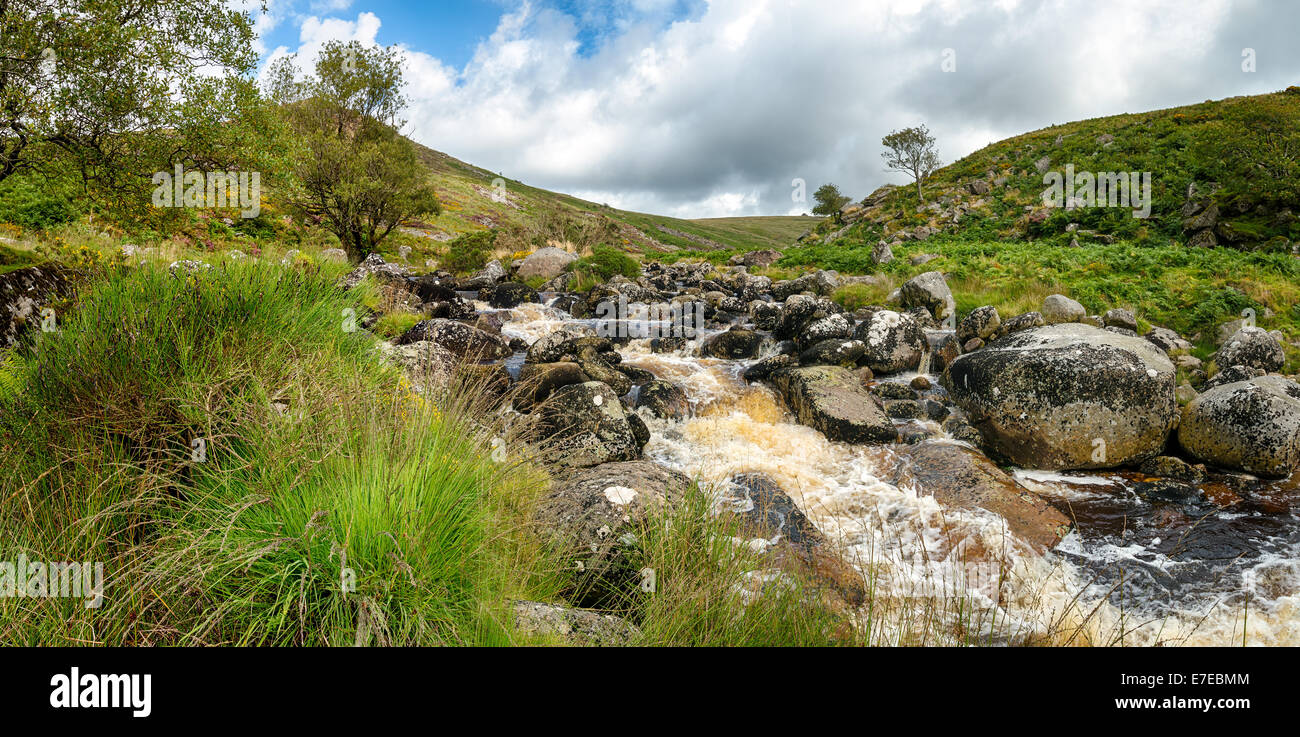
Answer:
(832, 400)
(894, 342)
(663, 399)
(929, 290)
(1253, 347)
(463, 340)
(545, 263)
(957, 476)
(1251, 426)
(1067, 396)
(582, 425)
(1058, 308)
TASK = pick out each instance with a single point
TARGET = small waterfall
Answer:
(923, 367)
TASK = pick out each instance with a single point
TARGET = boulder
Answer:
(463, 340)
(375, 266)
(1253, 347)
(981, 323)
(1252, 426)
(553, 346)
(835, 352)
(881, 254)
(484, 278)
(894, 342)
(581, 627)
(582, 425)
(545, 263)
(508, 294)
(1067, 396)
(663, 399)
(958, 476)
(1168, 341)
(764, 368)
(1058, 308)
(761, 258)
(831, 327)
(593, 515)
(24, 293)
(427, 365)
(832, 400)
(1120, 318)
(929, 290)
(734, 343)
(537, 381)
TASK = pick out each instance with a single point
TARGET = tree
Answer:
(115, 90)
(911, 151)
(829, 200)
(356, 174)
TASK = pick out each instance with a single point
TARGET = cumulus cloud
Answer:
(717, 112)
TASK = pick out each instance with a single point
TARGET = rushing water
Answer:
(1139, 568)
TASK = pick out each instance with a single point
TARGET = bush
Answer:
(606, 262)
(25, 203)
(469, 252)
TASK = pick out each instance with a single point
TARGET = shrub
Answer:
(606, 262)
(469, 252)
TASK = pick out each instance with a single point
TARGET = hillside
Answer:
(470, 203)
(1222, 172)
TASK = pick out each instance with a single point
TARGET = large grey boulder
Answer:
(582, 425)
(485, 277)
(1251, 426)
(1253, 347)
(1067, 396)
(733, 343)
(546, 263)
(929, 290)
(831, 399)
(981, 323)
(894, 341)
(1058, 308)
(465, 341)
(429, 366)
(961, 477)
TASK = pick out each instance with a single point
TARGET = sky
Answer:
(713, 108)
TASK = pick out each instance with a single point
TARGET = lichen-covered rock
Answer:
(582, 425)
(545, 263)
(663, 399)
(484, 278)
(375, 266)
(24, 293)
(830, 327)
(593, 515)
(537, 381)
(553, 346)
(894, 342)
(1252, 426)
(831, 399)
(427, 365)
(958, 476)
(929, 290)
(835, 352)
(1253, 347)
(465, 341)
(1120, 318)
(1067, 396)
(574, 626)
(766, 315)
(1168, 341)
(980, 323)
(764, 368)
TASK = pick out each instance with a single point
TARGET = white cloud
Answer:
(715, 114)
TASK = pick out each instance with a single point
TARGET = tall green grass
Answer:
(249, 473)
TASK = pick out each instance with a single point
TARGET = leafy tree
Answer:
(911, 151)
(118, 89)
(829, 200)
(355, 174)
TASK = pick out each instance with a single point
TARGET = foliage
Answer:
(911, 151)
(469, 252)
(829, 200)
(606, 262)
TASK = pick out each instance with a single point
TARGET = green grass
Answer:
(315, 458)
(1188, 290)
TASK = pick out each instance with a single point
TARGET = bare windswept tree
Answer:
(911, 151)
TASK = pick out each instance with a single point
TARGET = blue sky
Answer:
(706, 108)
